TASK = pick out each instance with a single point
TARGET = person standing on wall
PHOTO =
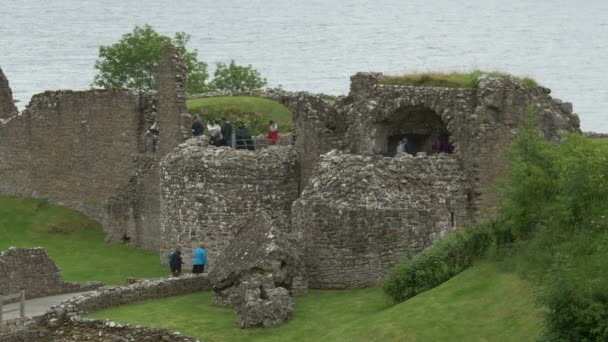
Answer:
(273, 133)
(197, 127)
(175, 261)
(227, 132)
(200, 259)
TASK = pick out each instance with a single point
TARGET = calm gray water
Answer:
(316, 45)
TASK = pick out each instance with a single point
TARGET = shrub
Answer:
(438, 263)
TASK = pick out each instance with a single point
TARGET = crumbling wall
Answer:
(73, 148)
(482, 121)
(132, 213)
(33, 270)
(205, 190)
(359, 214)
(319, 126)
(7, 105)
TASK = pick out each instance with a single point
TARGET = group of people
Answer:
(199, 260)
(442, 145)
(220, 133)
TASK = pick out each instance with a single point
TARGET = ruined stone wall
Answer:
(359, 214)
(205, 190)
(481, 121)
(33, 270)
(7, 105)
(73, 148)
(90, 150)
(132, 213)
(110, 296)
(319, 126)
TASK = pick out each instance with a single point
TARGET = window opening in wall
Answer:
(452, 219)
(412, 130)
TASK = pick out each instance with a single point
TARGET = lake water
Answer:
(316, 45)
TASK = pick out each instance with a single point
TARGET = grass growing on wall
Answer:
(254, 111)
(449, 80)
(480, 304)
(74, 242)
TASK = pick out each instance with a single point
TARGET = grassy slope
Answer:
(480, 304)
(270, 110)
(74, 241)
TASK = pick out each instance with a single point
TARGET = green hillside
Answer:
(480, 304)
(75, 242)
(255, 112)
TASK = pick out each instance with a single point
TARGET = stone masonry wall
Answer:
(7, 105)
(110, 296)
(90, 151)
(205, 190)
(132, 213)
(359, 214)
(482, 121)
(33, 270)
(73, 148)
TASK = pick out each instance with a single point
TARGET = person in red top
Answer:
(273, 133)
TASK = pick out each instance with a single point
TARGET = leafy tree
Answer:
(131, 62)
(235, 77)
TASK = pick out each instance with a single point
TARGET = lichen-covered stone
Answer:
(359, 214)
(258, 303)
(260, 248)
(207, 190)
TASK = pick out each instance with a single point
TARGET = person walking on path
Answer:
(175, 262)
(200, 259)
(273, 133)
(197, 127)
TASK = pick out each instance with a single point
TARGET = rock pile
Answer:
(258, 272)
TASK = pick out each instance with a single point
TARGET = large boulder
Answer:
(258, 272)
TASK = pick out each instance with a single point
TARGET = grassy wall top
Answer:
(255, 112)
(450, 80)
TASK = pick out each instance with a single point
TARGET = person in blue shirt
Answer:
(200, 259)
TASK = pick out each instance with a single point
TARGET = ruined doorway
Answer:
(424, 130)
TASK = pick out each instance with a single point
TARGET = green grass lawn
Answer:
(450, 80)
(480, 304)
(75, 242)
(232, 108)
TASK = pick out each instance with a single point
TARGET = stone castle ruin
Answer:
(352, 208)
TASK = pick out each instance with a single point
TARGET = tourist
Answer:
(154, 131)
(273, 133)
(243, 138)
(175, 261)
(227, 132)
(197, 127)
(200, 259)
(214, 128)
(403, 146)
(444, 145)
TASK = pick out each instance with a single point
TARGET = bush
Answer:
(438, 263)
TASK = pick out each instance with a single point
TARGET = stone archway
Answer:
(423, 128)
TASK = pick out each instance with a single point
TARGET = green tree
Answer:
(131, 62)
(235, 77)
